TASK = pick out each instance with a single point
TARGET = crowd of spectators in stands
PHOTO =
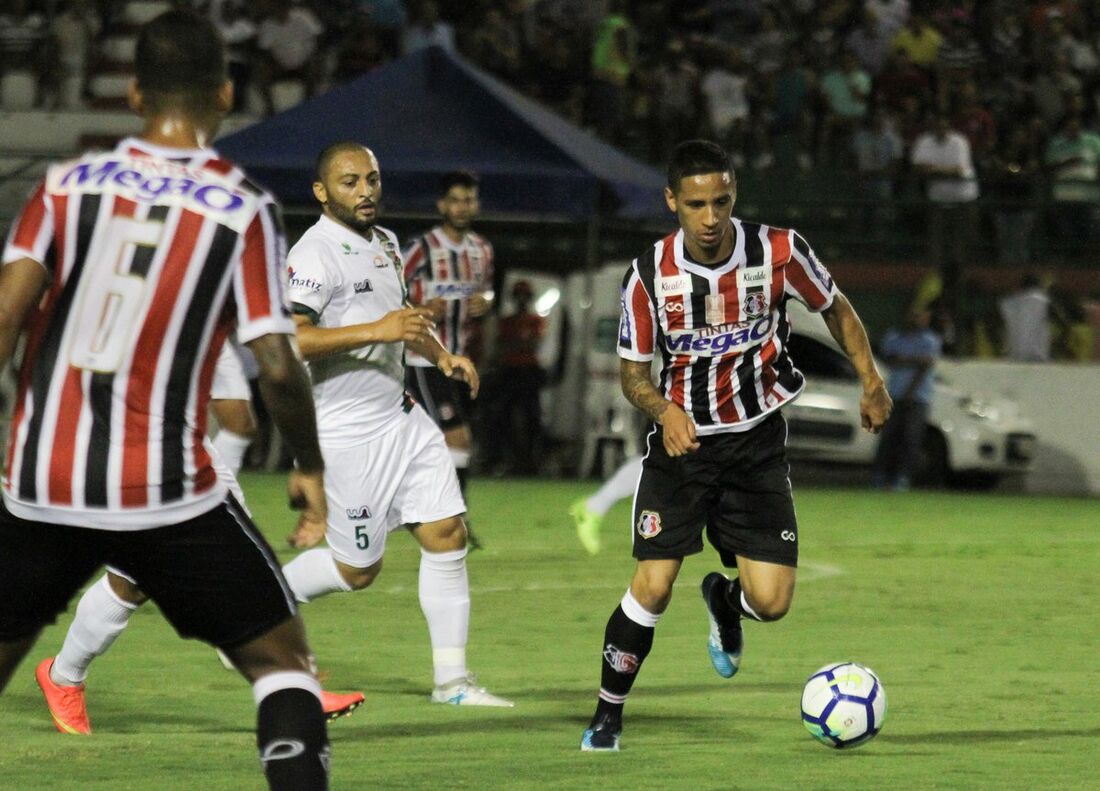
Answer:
(951, 99)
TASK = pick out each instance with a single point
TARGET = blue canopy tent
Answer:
(432, 112)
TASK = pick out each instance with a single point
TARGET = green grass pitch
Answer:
(977, 611)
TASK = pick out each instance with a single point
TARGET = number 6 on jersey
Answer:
(111, 304)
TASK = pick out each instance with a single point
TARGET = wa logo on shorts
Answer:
(649, 524)
(362, 512)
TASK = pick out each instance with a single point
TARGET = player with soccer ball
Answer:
(709, 299)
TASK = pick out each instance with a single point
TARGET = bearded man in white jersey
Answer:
(128, 269)
(709, 300)
(387, 466)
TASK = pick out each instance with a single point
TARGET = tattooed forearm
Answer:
(639, 390)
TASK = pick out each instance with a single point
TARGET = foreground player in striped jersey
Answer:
(449, 270)
(386, 465)
(104, 610)
(129, 268)
(709, 299)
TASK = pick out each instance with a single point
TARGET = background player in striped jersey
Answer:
(387, 466)
(709, 299)
(129, 268)
(449, 270)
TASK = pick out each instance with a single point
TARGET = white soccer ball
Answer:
(843, 705)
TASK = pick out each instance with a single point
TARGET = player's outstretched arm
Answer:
(677, 428)
(288, 396)
(454, 366)
(21, 285)
(845, 326)
(407, 324)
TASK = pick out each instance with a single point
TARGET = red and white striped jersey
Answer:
(721, 329)
(154, 256)
(436, 267)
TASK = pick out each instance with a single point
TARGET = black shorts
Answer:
(736, 486)
(214, 577)
(446, 400)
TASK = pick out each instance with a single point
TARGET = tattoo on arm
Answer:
(640, 391)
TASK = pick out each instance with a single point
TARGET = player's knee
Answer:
(773, 610)
(359, 578)
(446, 535)
(128, 591)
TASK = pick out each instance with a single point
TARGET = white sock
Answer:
(100, 618)
(633, 610)
(231, 447)
(284, 679)
(314, 574)
(620, 485)
(445, 601)
(460, 457)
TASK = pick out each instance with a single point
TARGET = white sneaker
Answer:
(464, 692)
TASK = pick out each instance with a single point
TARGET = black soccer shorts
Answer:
(736, 487)
(214, 577)
(446, 400)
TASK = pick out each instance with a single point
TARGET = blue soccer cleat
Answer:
(725, 640)
(602, 735)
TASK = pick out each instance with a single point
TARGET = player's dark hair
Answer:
(458, 178)
(696, 157)
(180, 62)
(324, 159)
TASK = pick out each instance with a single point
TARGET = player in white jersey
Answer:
(450, 270)
(387, 466)
(128, 269)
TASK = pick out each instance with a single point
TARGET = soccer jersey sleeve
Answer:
(259, 285)
(312, 282)
(806, 279)
(638, 322)
(416, 262)
(32, 234)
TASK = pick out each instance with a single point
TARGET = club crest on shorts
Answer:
(620, 660)
(649, 524)
(756, 305)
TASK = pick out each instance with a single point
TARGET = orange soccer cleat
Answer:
(338, 704)
(66, 704)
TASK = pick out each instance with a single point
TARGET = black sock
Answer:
(626, 644)
(733, 599)
(293, 742)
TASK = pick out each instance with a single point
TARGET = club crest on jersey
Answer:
(756, 305)
(380, 262)
(621, 661)
(363, 286)
(355, 514)
(390, 249)
(649, 524)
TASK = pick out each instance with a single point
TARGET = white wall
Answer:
(1063, 401)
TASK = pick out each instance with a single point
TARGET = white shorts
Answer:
(230, 382)
(403, 477)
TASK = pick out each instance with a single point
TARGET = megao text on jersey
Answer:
(720, 339)
(146, 188)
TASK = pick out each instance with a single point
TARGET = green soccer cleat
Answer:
(588, 526)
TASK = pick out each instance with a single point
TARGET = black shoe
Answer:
(602, 735)
(725, 640)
